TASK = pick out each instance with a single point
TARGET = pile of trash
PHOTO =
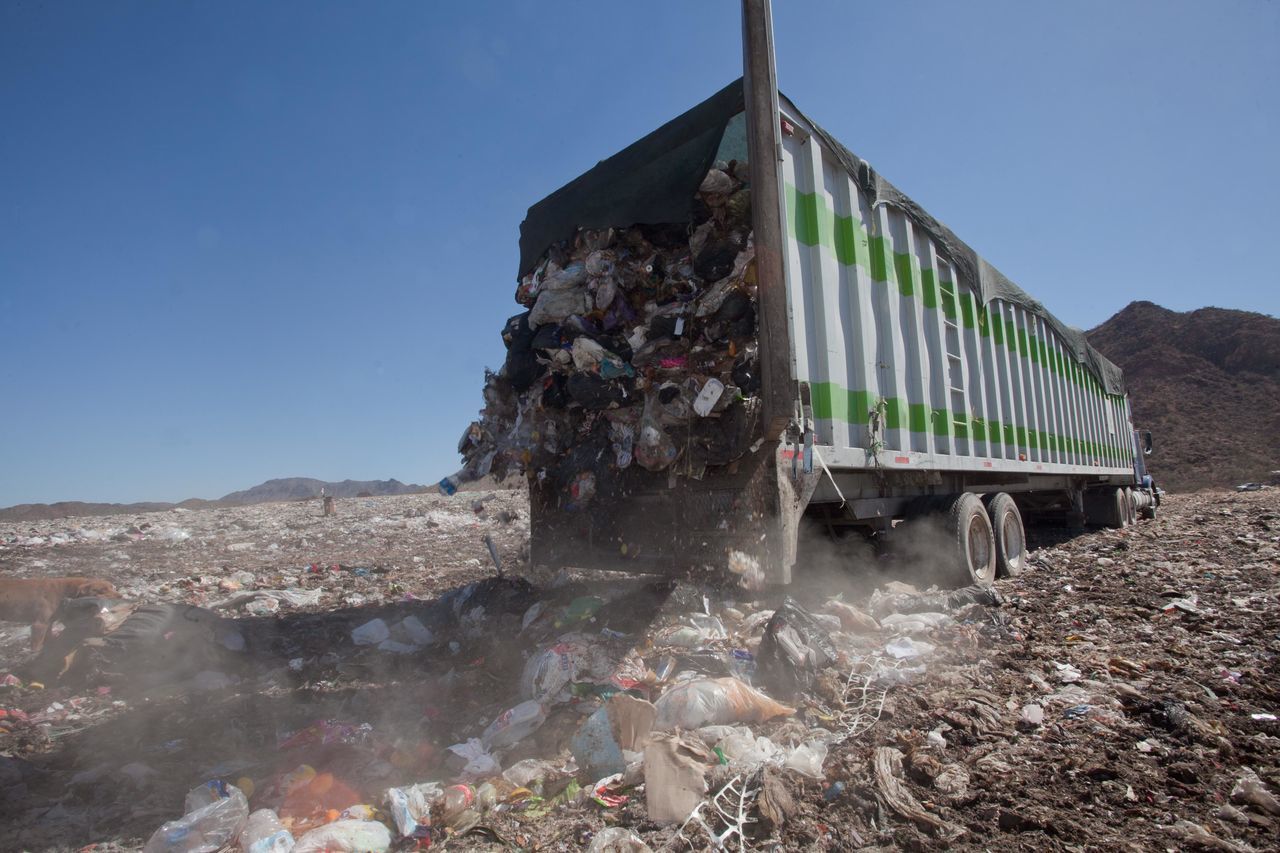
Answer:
(638, 347)
(720, 698)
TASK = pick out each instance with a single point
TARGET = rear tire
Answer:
(1010, 535)
(1106, 508)
(969, 529)
(1131, 508)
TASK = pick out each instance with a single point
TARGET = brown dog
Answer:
(35, 600)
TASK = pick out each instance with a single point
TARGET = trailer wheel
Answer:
(970, 529)
(1010, 536)
(1106, 508)
(1130, 508)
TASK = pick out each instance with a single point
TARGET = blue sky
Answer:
(243, 240)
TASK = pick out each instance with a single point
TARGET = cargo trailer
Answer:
(903, 376)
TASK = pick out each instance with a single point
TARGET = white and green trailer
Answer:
(902, 374)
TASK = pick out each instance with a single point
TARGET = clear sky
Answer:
(243, 240)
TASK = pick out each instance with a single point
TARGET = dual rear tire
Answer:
(1110, 507)
(986, 538)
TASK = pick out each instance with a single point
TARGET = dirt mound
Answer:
(1207, 384)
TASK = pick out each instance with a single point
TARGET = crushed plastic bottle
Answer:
(263, 833)
(215, 816)
(456, 800)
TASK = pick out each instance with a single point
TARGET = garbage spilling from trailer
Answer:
(638, 348)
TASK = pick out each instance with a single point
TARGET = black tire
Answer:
(1010, 535)
(1106, 508)
(969, 529)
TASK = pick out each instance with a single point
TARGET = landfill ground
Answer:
(1121, 695)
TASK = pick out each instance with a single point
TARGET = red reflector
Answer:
(987, 465)
(905, 460)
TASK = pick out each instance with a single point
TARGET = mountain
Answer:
(1207, 385)
(299, 488)
(288, 489)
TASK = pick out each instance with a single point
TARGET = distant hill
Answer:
(288, 489)
(298, 488)
(1207, 385)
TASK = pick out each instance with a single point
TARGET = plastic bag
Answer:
(794, 647)
(615, 839)
(479, 763)
(513, 725)
(915, 623)
(654, 449)
(905, 648)
(532, 772)
(346, 836)
(807, 759)
(410, 807)
(745, 751)
(574, 657)
(215, 818)
(714, 701)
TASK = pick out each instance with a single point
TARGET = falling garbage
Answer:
(641, 341)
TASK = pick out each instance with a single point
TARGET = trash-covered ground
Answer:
(370, 680)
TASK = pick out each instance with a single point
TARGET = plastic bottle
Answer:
(215, 823)
(263, 833)
(456, 800)
(708, 397)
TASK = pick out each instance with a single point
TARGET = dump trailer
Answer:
(902, 376)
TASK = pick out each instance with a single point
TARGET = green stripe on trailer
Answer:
(832, 402)
(813, 223)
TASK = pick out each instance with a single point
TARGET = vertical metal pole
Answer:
(764, 150)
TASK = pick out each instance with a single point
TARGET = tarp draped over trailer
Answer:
(654, 181)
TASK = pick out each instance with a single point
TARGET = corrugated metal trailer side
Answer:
(908, 369)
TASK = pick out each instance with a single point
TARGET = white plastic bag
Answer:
(346, 836)
(479, 762)
(513, 725)
(807, 759)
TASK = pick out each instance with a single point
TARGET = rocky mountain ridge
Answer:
(1207, 385)
(282, 489)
